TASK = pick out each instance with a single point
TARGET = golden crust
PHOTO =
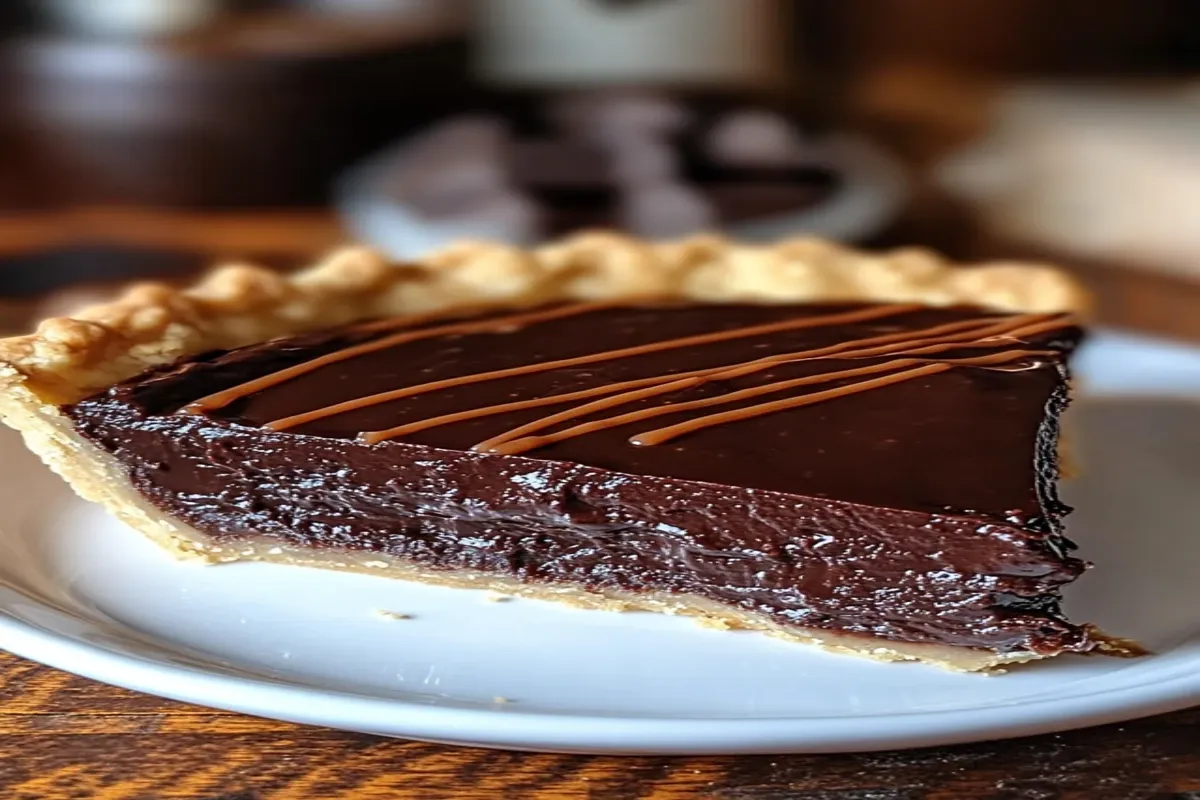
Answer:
(705, 612)
(68, 358)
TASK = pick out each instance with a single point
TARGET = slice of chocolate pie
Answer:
(857, 451)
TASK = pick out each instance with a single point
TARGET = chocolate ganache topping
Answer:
(876, 469)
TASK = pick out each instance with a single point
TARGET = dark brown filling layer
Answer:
(913, 499)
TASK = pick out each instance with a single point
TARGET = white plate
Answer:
(871, 190)
(82, 593)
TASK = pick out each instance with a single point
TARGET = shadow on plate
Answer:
(1137, 517)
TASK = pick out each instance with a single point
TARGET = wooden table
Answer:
(66, 737)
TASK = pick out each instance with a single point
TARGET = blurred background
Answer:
(149, 138)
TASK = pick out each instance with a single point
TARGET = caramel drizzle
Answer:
(503, 324)
(507, 446)
(592, 358)
(910, 344)
(953, 335)
(371, 437)
(660, 435)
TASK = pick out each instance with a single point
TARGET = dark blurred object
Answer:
(54, 262)
(58, 281)
(654, 163)
(1005, 37)
(881, 56)
(582, 161)
(16, 15)
(260, 109)
(39, 274)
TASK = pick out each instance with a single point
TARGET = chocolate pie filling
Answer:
(876, 469)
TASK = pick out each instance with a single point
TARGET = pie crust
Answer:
(68, 359)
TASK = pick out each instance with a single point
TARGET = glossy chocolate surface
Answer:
(922, 510)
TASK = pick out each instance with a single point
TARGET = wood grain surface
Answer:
(211, 234)
(65, 737)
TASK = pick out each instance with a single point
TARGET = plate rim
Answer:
(510, 727)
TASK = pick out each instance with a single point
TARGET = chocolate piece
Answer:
(754, 138)
(882, 470)
(665, 209)
(615, 116)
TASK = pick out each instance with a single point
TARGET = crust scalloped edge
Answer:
(150, 324)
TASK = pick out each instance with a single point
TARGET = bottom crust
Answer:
(704, 611)
(96, 476)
